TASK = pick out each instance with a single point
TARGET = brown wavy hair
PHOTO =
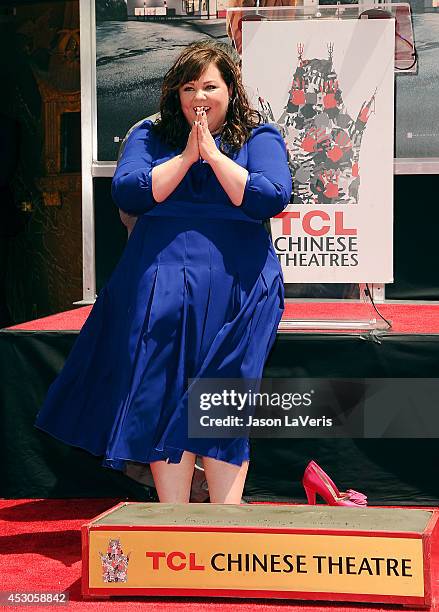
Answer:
(172, 126)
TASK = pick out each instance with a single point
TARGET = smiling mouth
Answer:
(200, 108)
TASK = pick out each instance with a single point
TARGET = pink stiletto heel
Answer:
(315, 480)
(310, 496)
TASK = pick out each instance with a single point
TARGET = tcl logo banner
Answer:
(243, 560)
(328, 88)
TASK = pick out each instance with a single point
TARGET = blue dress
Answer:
(198, 292)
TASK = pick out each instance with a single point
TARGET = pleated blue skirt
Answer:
(188, 299)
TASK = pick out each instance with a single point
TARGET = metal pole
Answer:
(88, 147)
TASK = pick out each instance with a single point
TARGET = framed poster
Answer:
(417, 104)
(328, 87)
(135, 48)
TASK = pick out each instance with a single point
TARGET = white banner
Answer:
(328, 87)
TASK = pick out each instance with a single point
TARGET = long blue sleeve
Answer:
(131, 187)
(269, 185)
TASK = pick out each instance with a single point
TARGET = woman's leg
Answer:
(225, 480)
(173, 480)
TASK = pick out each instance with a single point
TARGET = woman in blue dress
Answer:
(198, 291)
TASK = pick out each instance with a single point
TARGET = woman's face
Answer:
(210, 93)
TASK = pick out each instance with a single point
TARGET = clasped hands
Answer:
(201, 142)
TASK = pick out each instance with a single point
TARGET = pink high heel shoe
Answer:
(315, 480)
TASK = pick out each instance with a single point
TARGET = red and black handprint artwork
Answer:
(114, 563)
(328, 184)
(341, 145)
(313, 138)
(322, 137)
